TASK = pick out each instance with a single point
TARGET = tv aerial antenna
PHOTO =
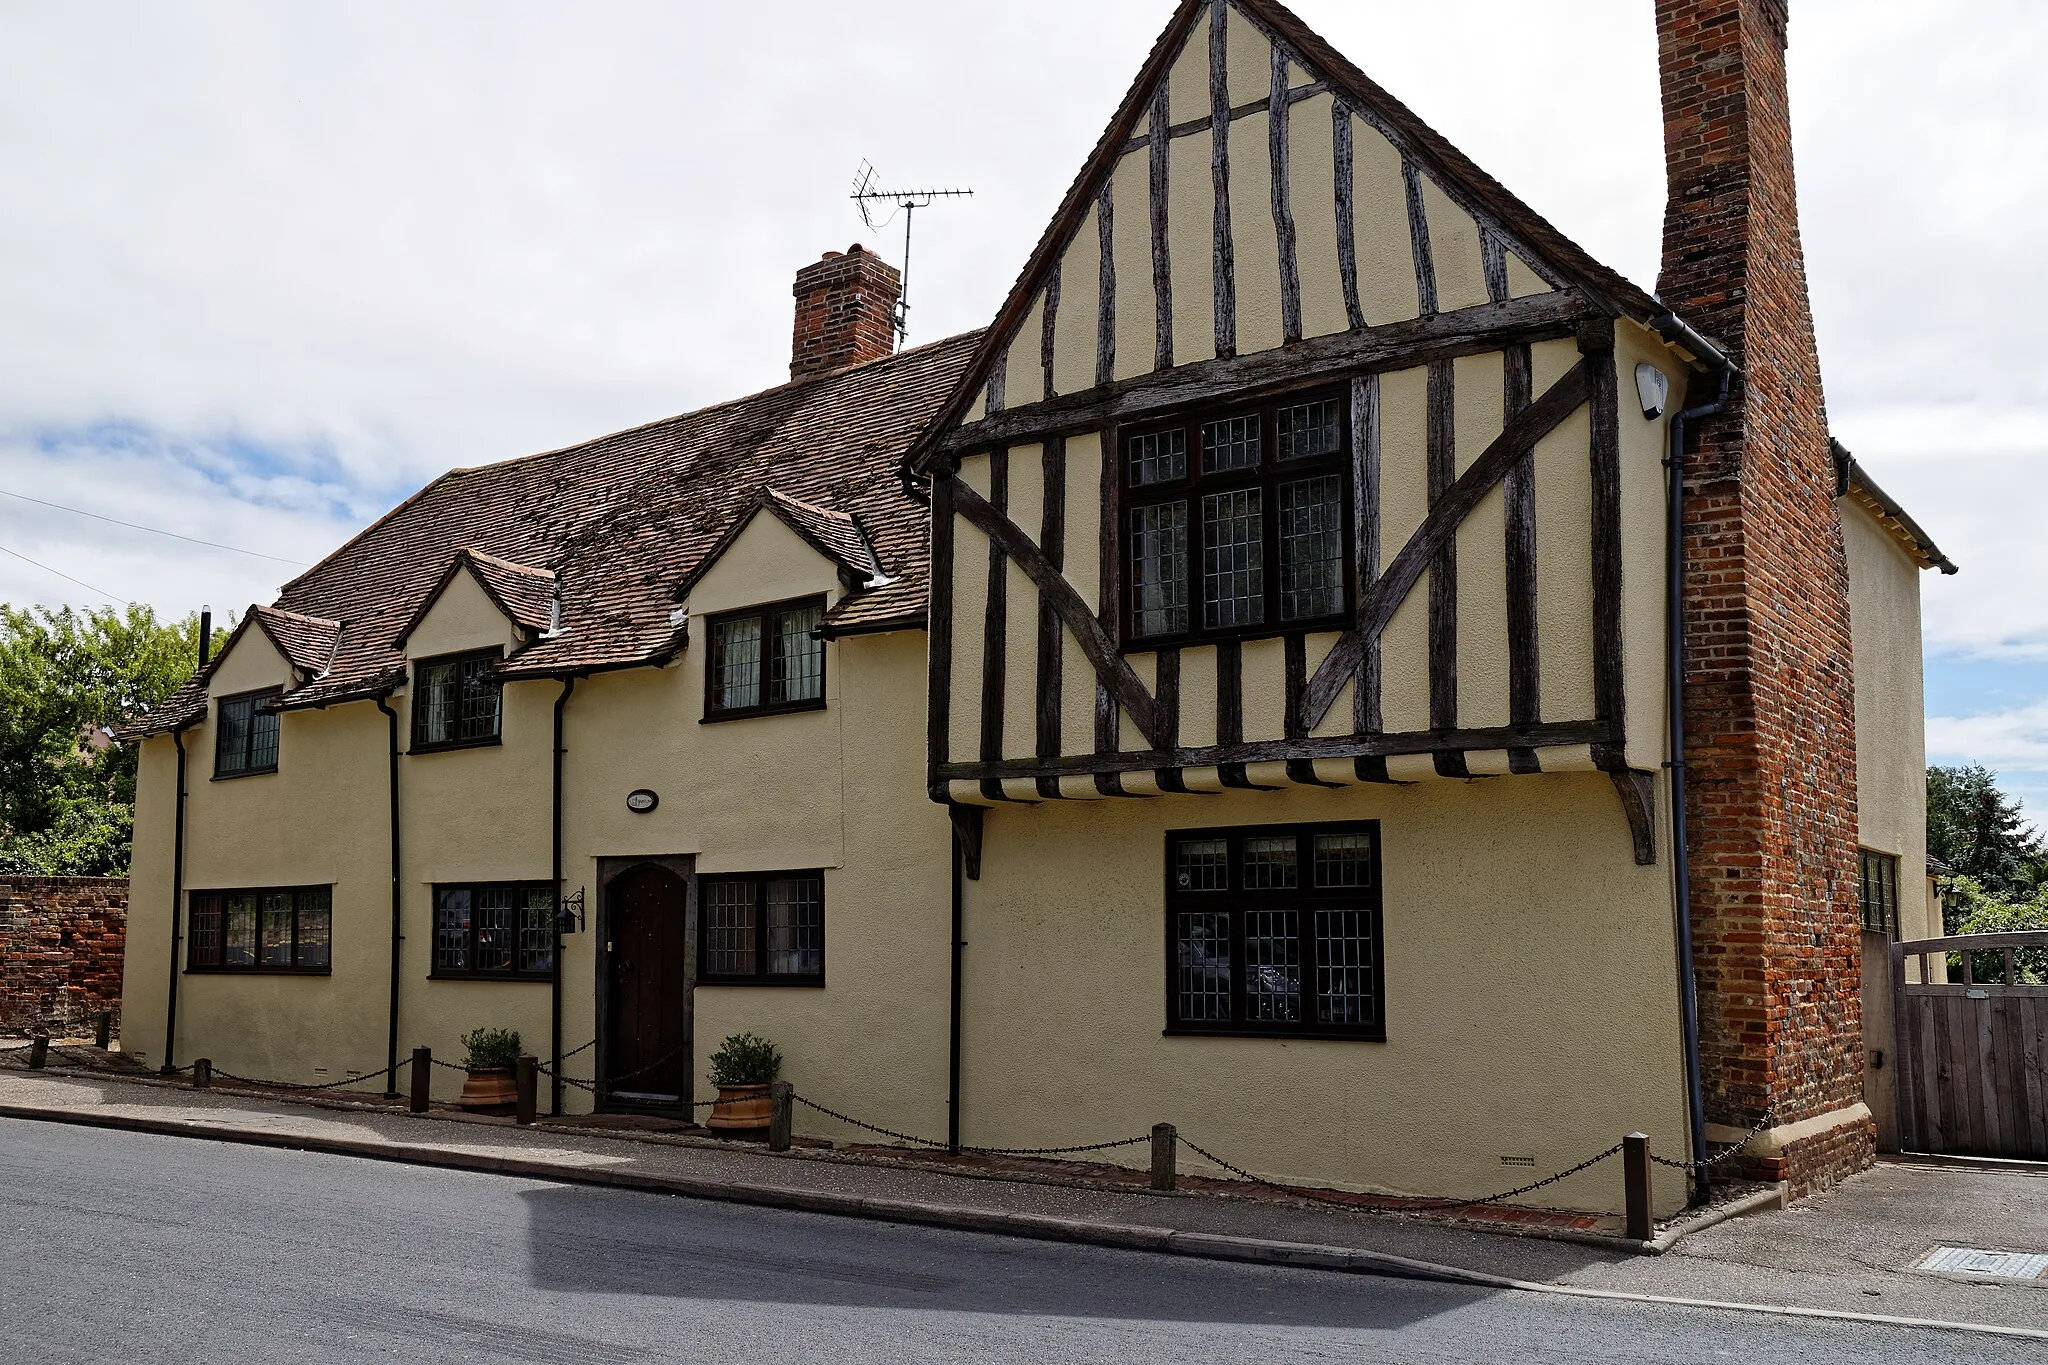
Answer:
(870, 197)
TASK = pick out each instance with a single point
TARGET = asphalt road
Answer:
(129, 1247)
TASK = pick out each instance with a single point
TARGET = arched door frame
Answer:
(609, 870)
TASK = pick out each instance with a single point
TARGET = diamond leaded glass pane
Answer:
(796, 926)
(1159, 457)
(1344, 966)
(799, 671)
(1269, 864)
(729, 928)
(316, 926)
(1202, 864)
(1311, 548)
(1233, 560)
(1272, 966)
(1343, 860)
(1159, 559)
(1202, 957)
(1232, 443)
(736, 663)
(1310, 429)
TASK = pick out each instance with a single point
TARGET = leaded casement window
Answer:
(761, 929)
(499, 931)
(766, 660)
(457, 701)
(245, 736)
(1235, 523)
(268, 929)
(1275, 931)
(1880, 893)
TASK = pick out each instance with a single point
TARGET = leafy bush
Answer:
(745, 1059)
(1973, 910)
(491, 1049)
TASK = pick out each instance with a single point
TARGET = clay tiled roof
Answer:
(621, 522)
(525, 594)
(307, 643)
(838, 536)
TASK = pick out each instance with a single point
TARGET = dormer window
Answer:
(456, 702)
(765, 661)
(245, 741)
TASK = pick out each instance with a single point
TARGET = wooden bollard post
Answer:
(422, 1079)
(103, 1030)
(1635, 1177)
(527, 1075)
(202, 1073)
(38, 1052)
(1165, 1144)
(781, 1104)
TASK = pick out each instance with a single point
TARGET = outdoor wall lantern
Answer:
(642, 801)
(569, 919)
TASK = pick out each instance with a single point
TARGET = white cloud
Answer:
(298, 259)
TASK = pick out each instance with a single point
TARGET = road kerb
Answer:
(1000, 1222)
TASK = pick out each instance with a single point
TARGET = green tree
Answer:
(67, 795)
(1979, 832)
(1969, 908)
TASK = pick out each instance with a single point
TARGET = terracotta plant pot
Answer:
(490, 1092)
(740, 1109)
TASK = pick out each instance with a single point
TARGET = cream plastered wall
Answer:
(319, 820)
(1562, 494)
(1381, 232)
(462, 617)
(1531, 996)
(1891, 770)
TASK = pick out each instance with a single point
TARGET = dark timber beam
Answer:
(1115, 675)
(1547, 735)
(1377, 604)
(1307, 364)
(1638, 794)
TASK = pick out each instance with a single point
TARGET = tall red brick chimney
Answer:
(845, 312)
(1769, 715)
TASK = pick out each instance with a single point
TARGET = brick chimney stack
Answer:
(1769, 717)
(845, 312)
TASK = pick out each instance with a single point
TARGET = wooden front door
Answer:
(647, 1052)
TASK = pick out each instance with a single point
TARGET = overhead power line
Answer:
(153, 530)
(65, 576)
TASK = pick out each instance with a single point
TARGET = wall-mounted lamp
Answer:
(1653, 389)
(569, 919)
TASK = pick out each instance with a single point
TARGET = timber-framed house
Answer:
(1332, 666)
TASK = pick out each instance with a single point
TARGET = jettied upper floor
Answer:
(1301, 453)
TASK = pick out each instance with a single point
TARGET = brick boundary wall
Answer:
(61, 947)
(1770, 721)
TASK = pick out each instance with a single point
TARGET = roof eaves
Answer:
(1853, 481)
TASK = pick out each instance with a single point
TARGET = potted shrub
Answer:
(742, 1068)
(491, 1056)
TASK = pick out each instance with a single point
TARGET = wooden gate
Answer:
(1972, 1056)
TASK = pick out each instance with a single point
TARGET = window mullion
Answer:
(1269, 519)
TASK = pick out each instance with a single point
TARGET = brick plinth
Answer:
(1769, 718)
(845, 312)
(61, 945)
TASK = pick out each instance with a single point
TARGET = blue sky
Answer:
(275, 266)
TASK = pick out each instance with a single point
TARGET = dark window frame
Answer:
(771, 645)
(1306, 899)
(471, 972)
(1194, 485)
(420, 743)
(1877, 891)
(761, 976)
(255, 701)
(214, 903)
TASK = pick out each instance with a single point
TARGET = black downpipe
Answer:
(1675, 331)
(397, 908)
(178, 864)
(953, 1034)
(555, 986)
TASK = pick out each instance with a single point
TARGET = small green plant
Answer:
(745, 1059)
(491, 1049)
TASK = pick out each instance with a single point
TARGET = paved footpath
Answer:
(1846, 1252)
